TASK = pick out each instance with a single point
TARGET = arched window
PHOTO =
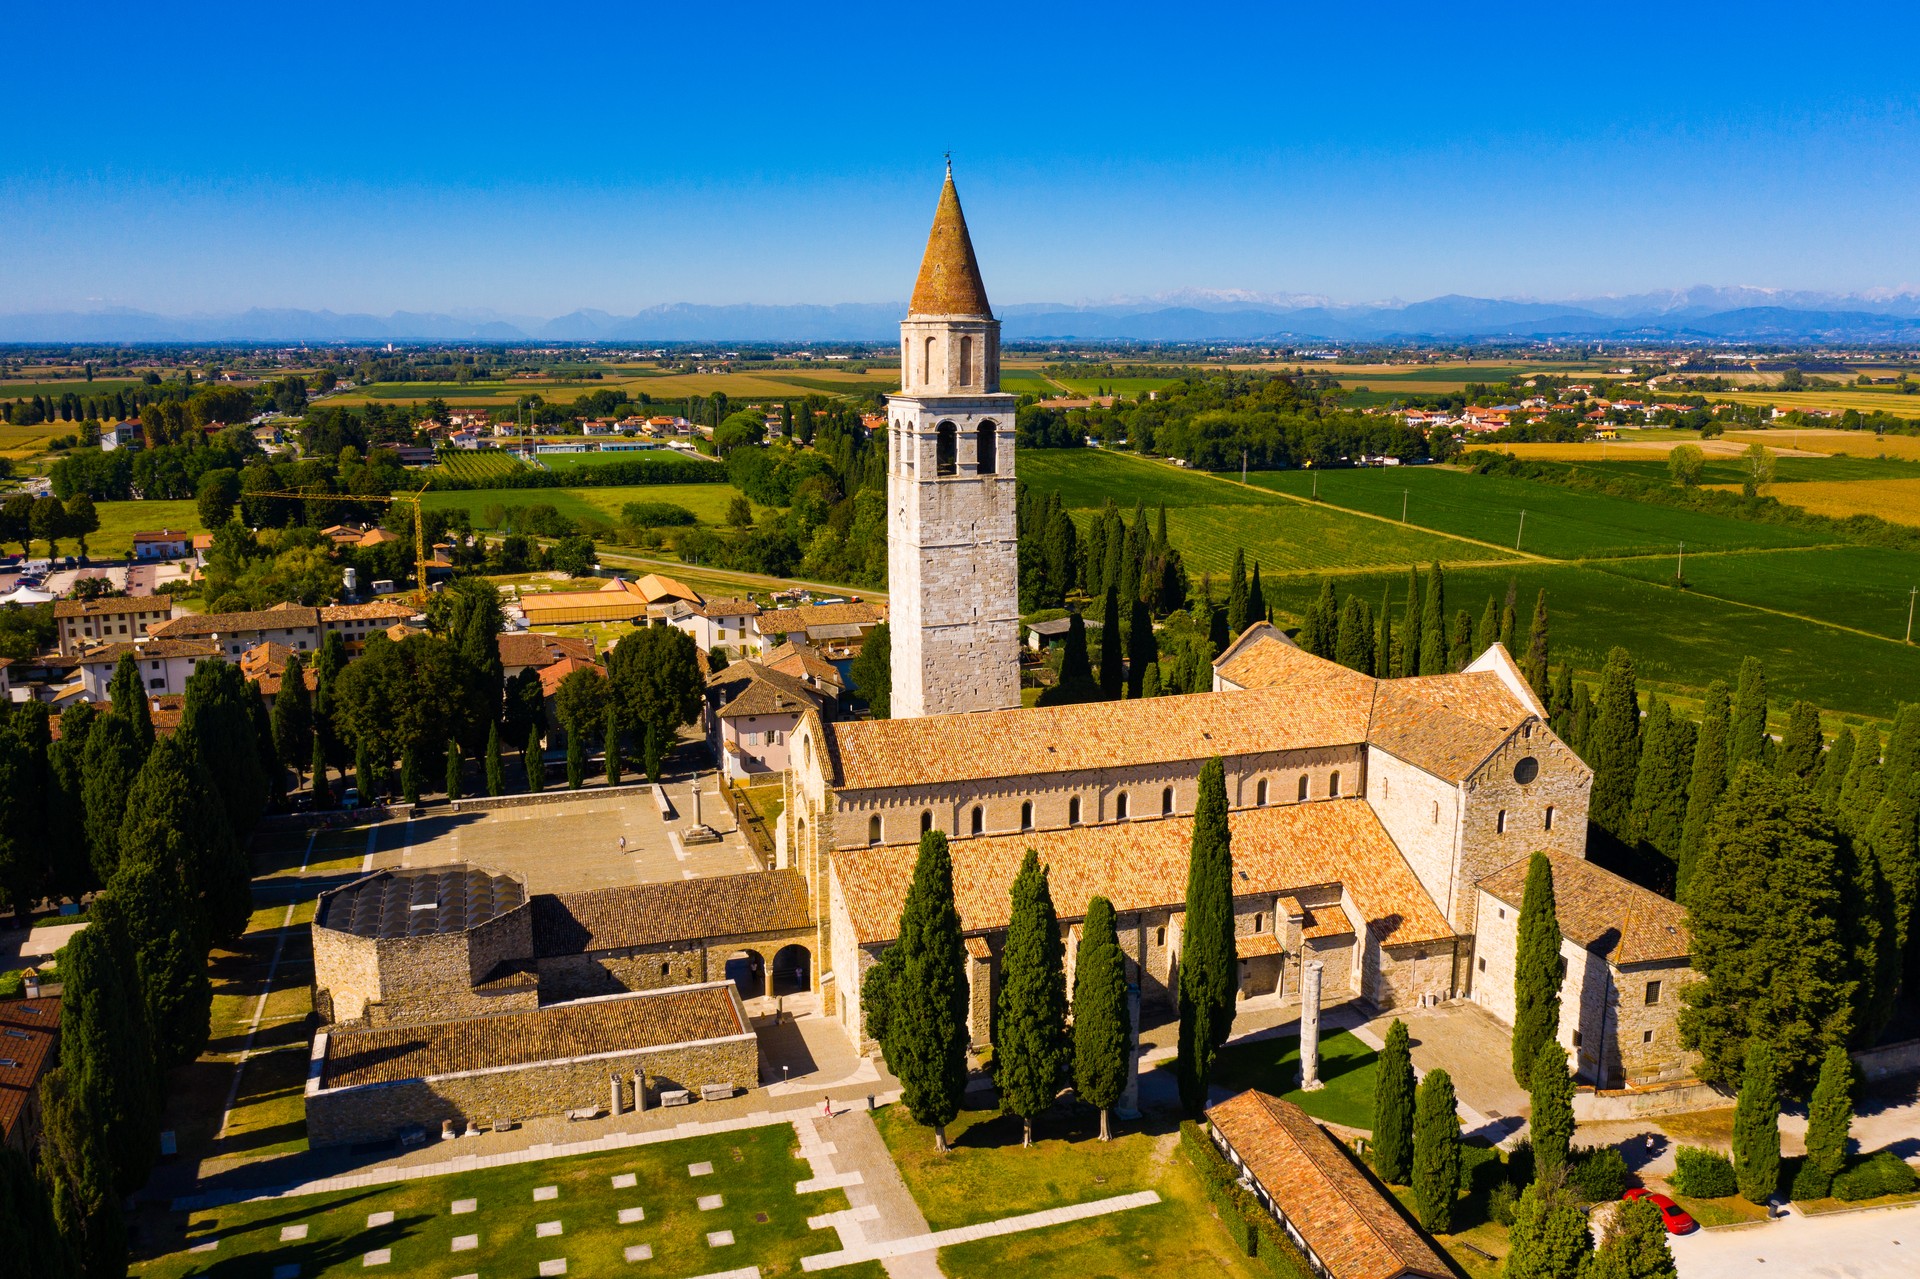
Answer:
(1160, 936)
(926, 820)
(1026, 815)
(1166, 802)
(1303, 786)
(979, 820)
(926, 362)
(1549, 822)
(1259, 922)
(966, 361)
(1120, 806)
(873, 829)
(1333, 785)
(1073, 811)
(1260, 793)
(984, 459)
(1500, 822)
(944, 450)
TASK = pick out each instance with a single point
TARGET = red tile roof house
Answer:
(29, 1048)
(164, 544)
(750, 716)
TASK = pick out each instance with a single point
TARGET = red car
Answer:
(1678, 1222)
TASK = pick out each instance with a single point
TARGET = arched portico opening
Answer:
(792, 970)
(747, 970)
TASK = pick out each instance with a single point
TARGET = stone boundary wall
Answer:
(1889, 1060)
(1674, 1099)
(483, 803)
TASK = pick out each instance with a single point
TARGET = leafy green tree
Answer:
(872, 672)
(76, 1164)
(106, 1049)
(1353, 638)
(328, 663)
(496, 776)
(1209, 968)
(1833, 775)
(48, 522)
(1550, 1238)
(1102, 1015)
(82, 519)
(1030, 1044)
(1551, 1120)
(612, 747)
(1800, 745)
(1613, 747)
(454, 765)
(1433, 625)
(1637, 1247)
(216, 495)
(322, 793)
(1436, 1152)
(576, 761)
(655, 674)
(1534, 664)
(1829, 1117)
(925, 1022)
(369, 778)
(1537, 970)
(1150, 685)
(1762, 907)
(409, 775)
(470, 614)
(534, 760)
(1393, 1107)
(1707, 784)
(1747, 731)
(1756, 1125)
(108, 767)
(1686, 463)
(127, 696)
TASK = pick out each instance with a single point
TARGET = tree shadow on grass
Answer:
(312, 1256)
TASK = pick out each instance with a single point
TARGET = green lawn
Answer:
(1088, 477)
(754, 1170)
(1560, 522)
(119, 521)
(1273, 1066)
(579, 461)
(989, 1175)
(708, 502)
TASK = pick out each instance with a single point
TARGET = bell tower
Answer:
(952, 548)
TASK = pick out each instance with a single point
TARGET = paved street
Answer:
(1884, 1244)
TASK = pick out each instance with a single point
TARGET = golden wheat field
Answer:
(1895, 500)
(1865, 399)
(1849, 443)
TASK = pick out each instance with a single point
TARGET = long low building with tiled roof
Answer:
(297, 626)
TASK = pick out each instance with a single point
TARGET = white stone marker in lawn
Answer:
(709, 1202)
(209, 1246)
(720, 1239)
(624, 1181)
(630, 1215)
(547, 1229)
(640, 1252)
(465, 1243)
(541, 1193)
(378, 1257)
(290, 1233)
(700, 1170)
(464, 1205)
(379, 1219)
(558, 1266)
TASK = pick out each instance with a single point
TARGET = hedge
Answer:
(1598, 1174)
(1703, 1174)
(1884, 1173)
(1252, 1227)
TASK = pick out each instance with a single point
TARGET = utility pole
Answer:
(1316, 486)
(1243, 466)
(1403, 504)
(1523, 531)
(1910, 597)
(1680, 565)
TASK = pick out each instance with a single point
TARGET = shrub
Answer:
(1885, 1173)
(1500, 1203)
(1598, 1174)
(1810, 1181)
(656, 514)
(1703, 1174)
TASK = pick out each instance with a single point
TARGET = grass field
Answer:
(988, 1175)
(1088, 477)
(1560, 523)
(1890, 499)
(775, 384)
(580, 461)
(708, 502)
(119, 521)
(1273, 1065)
(1132, 388)
(754, 1171)
(1298, 537)
(1864, 587)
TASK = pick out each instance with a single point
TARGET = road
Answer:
(1883, 1244)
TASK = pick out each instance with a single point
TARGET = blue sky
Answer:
(538, 159)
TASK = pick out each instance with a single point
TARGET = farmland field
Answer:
(1131, 387)
(477, 464)
(1865, 399)
(1560, 523)
(79, 386)
(1088, 477)
(1851, 443)
(1297, 537)
(1864, 587)
(577, 461)
(22, 442)
(707, 501)
(1890, 499)
(1019, 381)
(772, 384)
(119, 521)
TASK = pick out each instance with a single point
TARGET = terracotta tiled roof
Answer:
(561, 1031)
(1254, 945)
(524, 648)
(1318, 921)
(29, 1033)
(727, 608)
(1355, 1230)
(1140, 865)
(949, 281)
(111, 654)
(1598, 910)
(655, 587)
(164, 535)
(281, 617)
(1158, 730)
(375, 612)
(552, 675)
(765, 692)
(789, 621)
(644, 914)
(112, 604)
(803, 661)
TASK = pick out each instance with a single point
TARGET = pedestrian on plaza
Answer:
(826, 1108)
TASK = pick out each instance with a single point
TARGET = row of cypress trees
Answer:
(1425, 641)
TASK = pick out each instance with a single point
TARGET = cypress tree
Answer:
(1829, 1116)
(1433, 624)
(1436, 1152)
(1237, 596)
(1217, 629)
(1323, 623)
(1860, 792)
(106, 1049)
(1833, 775)
(1102, 1016)
(1534, 664)
(1256, 598)
(1112, 649)
(576, 761)
(1747, 730)
(1209, 968)
(410, 775)
(1707, 784)
(217, 729)
(1891, 842)
(1613, 747)
(1536, 971)
(1762, 908)
(1150, 682)
(1353, 643)
(1660, 787)
(1461, 651)
(170, 952)
(454, 763)
(293, 717)
(1756, 1125)
(1550, 1238)
(1411, 627)
(1637, 1248)
(1559, 701)
(1383, 637)
(613, 746)
(1142, 649)
(108, 767)
(496, 776)
(68, 862)
(266, 754)
(534, 761)
(1029, 1040)
(1488, 631)
(1551, 1121)
(175, 818)
(1393, 1107)
(1510, 617)
(925, 1041)
(1076, 682)
(322, 795)
(369, 779)
(1801, 744)
(76, 1164)
(127, 697)
(30, 1242)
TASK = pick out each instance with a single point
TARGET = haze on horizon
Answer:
(473, 161)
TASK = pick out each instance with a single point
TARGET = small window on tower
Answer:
(1166, 802)
(1026, 815)
(1548, 823)
(984, 460)
(1260, 793)
(1333, 786)
(1073, 811)
(926, 821)
(966, 362)
(944, 450)
(1120, 806)
(1303, 786)
(979, 820)
(873, 829)
(926, 362)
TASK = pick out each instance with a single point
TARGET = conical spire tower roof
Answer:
(949, 282)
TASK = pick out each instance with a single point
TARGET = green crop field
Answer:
(1864, 587)
(1296, 537)
(1025, 381)
(477, 464)
(1560, 523)
(708, 502)
(79, 386)
(577, 461)
(1088, 477)
(1786, 470)
(1132, 388)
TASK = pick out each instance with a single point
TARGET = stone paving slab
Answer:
(702, 1169)
(720, 1239)
(883, 1249)
(378, 1257)
(709, 1202)
(639, 1252)
(378, 1219)
(746, 1272)
(543, 1193)
(290, 1233)
(630, 1215)
(465, 1243)
(624, 1181)
(558, 1266)
(832, 1181)
(548, 1229)
(209, 1245)
(464, 1205)
(845, 1217)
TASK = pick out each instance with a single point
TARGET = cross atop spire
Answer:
(949, 282)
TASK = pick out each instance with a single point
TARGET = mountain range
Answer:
(1699, 315)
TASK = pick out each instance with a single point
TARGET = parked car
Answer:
(1678, 1222)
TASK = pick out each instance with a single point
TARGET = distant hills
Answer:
(1706, 315)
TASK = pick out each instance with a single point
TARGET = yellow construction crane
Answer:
(394, 499)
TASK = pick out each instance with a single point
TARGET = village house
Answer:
(165, 665)
(524, 650)
(29, 1048)
(296, 626)
(82, 624)
(163, 544)
(750, 713)
(732, 623)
